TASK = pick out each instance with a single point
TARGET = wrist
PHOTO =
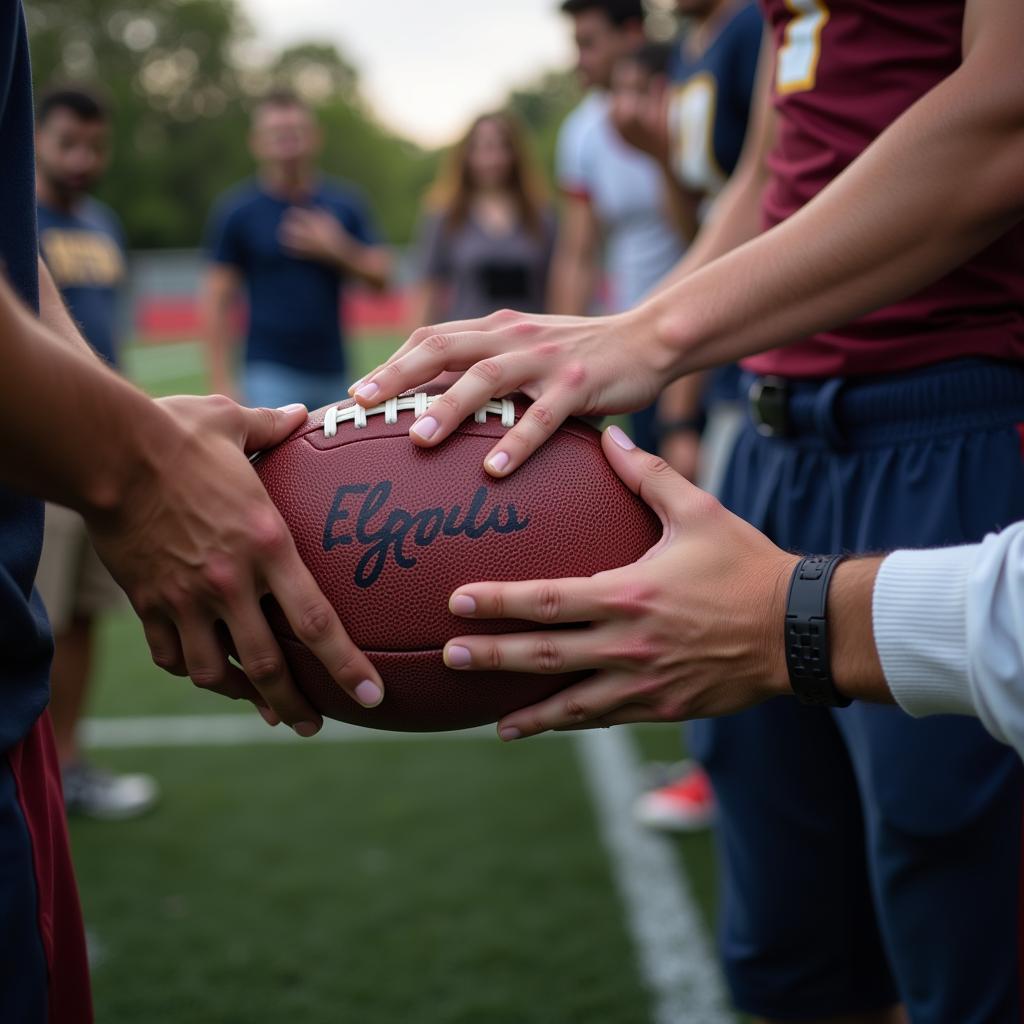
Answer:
(133, 462)
(856, 666)
(777, 579)
(677, 324)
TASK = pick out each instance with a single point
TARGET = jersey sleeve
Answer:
(571, 164)
(225, 241)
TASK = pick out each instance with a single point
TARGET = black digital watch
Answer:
(807, 653)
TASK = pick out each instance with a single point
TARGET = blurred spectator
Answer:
(293, 238)
(486, 240)
(615, 201)
(695, 131)
(82, 244)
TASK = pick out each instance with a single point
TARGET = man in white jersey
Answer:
(615, 217)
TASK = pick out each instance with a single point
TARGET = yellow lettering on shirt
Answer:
(82, 259)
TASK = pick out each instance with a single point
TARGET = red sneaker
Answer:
(687, 805)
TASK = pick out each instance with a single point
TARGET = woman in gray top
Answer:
(486, 240)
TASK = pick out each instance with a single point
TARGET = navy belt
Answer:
(946, 398)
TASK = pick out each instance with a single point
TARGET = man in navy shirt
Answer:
(178, 515)
(292, 238)
(81, 242)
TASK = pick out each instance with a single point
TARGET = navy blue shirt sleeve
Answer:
(225, 238)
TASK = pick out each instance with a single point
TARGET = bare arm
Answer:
(574, 264)
(221, 289)
(895, 221)
(193, 549)
(735, 217)
(970, 127)
(55, 315)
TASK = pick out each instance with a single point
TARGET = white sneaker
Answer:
(91, 792)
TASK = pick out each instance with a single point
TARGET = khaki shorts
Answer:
(72, 580)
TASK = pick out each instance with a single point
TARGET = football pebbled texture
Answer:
(390, 530)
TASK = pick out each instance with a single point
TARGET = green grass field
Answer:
(377, 880)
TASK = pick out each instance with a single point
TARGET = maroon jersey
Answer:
(845, 70)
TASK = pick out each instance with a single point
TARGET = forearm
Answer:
(825, 266)
(371, 264)
(74, 431)
(219, 339)
(572, 287)
(55, 315)
(683, 205)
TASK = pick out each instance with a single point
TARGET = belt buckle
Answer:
(769, 406)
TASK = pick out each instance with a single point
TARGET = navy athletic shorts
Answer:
(869, 857)
(44, 975)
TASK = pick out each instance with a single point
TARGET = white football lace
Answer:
(418, 404)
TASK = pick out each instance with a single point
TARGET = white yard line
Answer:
(672, 947)
(238, 730)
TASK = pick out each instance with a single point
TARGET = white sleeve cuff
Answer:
(919, 610)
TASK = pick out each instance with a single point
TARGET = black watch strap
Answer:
(683, 425)
(807, 654)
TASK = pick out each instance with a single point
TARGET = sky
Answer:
(427, 66)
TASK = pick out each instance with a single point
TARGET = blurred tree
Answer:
(543, 106)
(178, 77)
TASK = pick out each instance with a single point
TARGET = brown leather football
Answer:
(389, 530)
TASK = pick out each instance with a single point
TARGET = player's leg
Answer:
(894, 1015)
(943, 801)
(798, 935)
(58, 579)
(76, 588)
(69, 681)
(44, 976)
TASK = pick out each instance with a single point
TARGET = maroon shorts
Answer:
(44, 972)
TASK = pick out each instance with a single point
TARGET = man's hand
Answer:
(196, 543)
(694, 629)
(569, 365)
(316, 235)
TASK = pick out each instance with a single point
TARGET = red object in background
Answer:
(167, 318)
(389, 530)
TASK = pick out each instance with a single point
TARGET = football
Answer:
(389, 530)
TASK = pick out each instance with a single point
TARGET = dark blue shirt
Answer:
(84, 251)
(726, 69)
(25, 642)
(294, 304)
(717, 85)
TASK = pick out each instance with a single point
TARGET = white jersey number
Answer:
(797, 67)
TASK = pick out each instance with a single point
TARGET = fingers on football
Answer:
(546, 601)
(207, 662)
(164, 644)
(472, 391)
(546, 653)
(587, 705)
(454, 350)
(316, 624)
(264, 666)
(544, 416)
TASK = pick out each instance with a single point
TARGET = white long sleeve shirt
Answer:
(949, 627)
